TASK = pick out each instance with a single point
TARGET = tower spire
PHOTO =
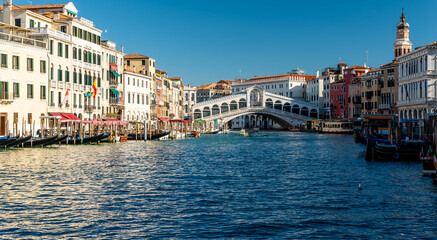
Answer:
(402, 44)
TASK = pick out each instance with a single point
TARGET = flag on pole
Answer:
(95, 87)
(65, 98)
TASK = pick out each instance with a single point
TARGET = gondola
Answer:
(56, 141)
(358, 136)
(404, 151)
(9, 140)
(3, 139)
(133, 136)
(38, 142)
(214, 132)
(158, 136)
(86, 140)
(17, 142)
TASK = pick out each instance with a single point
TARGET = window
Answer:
(30, 64)
(66, 51)
(74, 77)
(99, 60)
(67, 76)
(29, 90)
(16, 89)
(143, 62)
(18, 22)
(51, 47)
(43, 92)
(60, 48)
(15, 62)
(80, 78)
(32, 23)
(59, 75)
(128, 62)
(42, 66)
(79, 54)
(4, 60)
(94, 58)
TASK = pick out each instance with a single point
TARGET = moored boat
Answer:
(38, 142)
(56, 141)
(336, 127)
(404, 151)
(428, 166)
(17, 142)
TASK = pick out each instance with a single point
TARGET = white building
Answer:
(77, 57)
(23, 79)
(314, 91)
(291, 85)
(136, 94)
(190, 94)
(417, 91)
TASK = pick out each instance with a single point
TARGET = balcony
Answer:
(23, 40)
(88, 88)
(67, 105)
(384, 106)
(59, 105)
(61, 84)
(76, 86)
(52, 104)
(68, 85)
(6, 98)
(82, 88)
(75, 106)
(43, 31)
(53, 83)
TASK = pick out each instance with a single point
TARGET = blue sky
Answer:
(206, 41)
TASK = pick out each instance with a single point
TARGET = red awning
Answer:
(176, 120)
(71, 117)
(163, 119)
(63, 118)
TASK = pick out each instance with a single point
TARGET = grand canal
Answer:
(277, 185)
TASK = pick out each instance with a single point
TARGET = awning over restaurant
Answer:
(114, 122)
(115, 73)
(66, 117)
(63, 118)
(163, 119)
(180, 120)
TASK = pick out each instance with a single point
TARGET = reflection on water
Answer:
(276, 185)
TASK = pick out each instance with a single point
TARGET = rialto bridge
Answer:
(285, 111)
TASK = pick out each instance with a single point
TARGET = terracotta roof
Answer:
(175, 78)
(342, 64)
(389, 64)
(356, 67)
(52, 15)
(374, 70)
(35, 7)
(434, 44)
(14, 7)
(228, 81)
(134, 56)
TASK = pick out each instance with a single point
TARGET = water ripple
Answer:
(278, 185)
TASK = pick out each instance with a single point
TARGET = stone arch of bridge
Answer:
(278, 119)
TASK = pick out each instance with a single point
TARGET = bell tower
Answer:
(402, 44)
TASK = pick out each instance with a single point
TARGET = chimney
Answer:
(317, 73)
(7, 12)
(134, 68)
(122, 48)
(57, 16)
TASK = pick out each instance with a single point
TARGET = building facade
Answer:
(136, 95)
(190, 94)
(417, 92)
(23, 81)
(371, 91)
(389, 86)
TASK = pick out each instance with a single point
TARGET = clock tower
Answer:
(402, 44)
